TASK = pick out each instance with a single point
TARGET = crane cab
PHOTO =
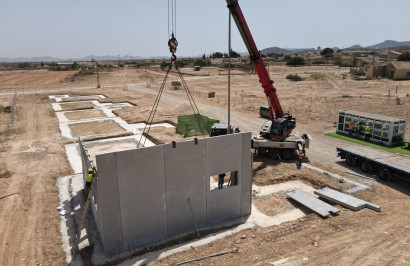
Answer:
(278, 129)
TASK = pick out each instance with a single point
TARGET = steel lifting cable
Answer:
(172, 43)
(154, 108)
(192, 102)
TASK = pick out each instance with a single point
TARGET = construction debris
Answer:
(345, 200)
(313, 203)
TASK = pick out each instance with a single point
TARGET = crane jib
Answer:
(257, 61)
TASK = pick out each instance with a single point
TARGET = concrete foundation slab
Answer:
(345, 200)
(313, 203)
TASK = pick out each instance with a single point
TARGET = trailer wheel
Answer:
(350, 160)
(384, 174)
(367, 166)
(287, 154)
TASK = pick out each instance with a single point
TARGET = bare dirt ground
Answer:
(92, 128)
(29, 221)
(76, 106)
(84, 115)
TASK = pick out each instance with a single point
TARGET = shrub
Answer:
(357, 72)
(296, 61)
(200, 63)
(176, 85)
(404, 57)
(294, 77)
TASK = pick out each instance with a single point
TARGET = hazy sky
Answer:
(74, 28)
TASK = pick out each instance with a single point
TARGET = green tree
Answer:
(296, 61)
(404, 57)
(217, 55)
(200, 63)
(327, 52)
(234, 54)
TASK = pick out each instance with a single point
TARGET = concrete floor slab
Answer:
(312, 203)
(345, 200)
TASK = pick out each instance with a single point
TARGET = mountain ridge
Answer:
(387, 44)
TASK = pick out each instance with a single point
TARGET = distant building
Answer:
(397, 70)
(391, 54)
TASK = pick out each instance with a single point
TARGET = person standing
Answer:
(88, 181)
(357, 130)
(367, 132)
(351, 128)
(221, 179)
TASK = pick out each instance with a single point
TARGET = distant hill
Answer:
(53, 59)
(388, 44)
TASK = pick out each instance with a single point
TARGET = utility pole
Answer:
(229, 75)
(98, 76)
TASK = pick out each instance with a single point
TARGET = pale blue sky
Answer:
(74, 28)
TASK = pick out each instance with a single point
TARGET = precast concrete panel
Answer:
(223, 154)
(246, 174)
(142, 195)
(108, 205)
(185, 179)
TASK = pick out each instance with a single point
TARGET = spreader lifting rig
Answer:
(172, 44)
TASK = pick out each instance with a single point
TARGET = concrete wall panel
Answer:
(185, 178)
(223, 154)
(246, 171)
(109, 203)
(142, 195)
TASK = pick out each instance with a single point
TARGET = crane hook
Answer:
(172, 43)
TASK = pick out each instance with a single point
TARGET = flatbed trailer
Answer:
(387, 165)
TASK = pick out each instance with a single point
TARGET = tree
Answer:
(217, 55)
(404, 57)
(200, 63)
(296, 61)
(234, 54)
(327, 52)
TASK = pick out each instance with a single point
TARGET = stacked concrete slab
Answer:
(146, 195)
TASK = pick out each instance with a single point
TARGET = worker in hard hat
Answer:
(367, 132)
(88, 181)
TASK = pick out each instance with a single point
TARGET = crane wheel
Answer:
(288, 154)
(384, 174)
(274, 153)
(367, 167)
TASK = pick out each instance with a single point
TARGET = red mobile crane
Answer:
(276, 133)
(282, 124)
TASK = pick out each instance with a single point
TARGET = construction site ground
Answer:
(34, 156)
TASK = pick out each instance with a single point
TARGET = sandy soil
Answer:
(84, 114)
(110, 147)
(29, 222)
(76, 106)
(92, 128)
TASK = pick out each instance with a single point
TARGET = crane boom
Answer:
(275, 108)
